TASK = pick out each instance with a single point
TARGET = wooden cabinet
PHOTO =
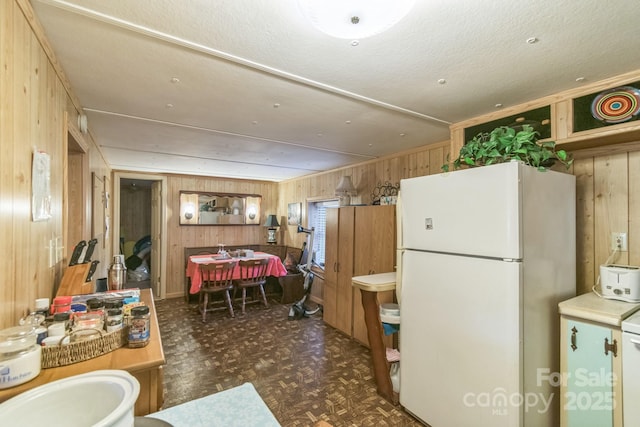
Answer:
(360, 240)
(591, 361)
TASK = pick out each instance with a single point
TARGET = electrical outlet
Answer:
(619, 242)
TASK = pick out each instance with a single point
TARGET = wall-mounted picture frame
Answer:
(294, 213)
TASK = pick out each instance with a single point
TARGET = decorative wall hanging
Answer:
(294, 214)
(386, 193)
(41, 186)
(616, 105)
(609, 107)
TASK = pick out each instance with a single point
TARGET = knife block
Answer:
(73, 281)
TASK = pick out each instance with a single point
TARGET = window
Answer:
(317, 220)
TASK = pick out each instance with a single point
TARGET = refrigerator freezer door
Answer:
(461, 340)
(473, 211)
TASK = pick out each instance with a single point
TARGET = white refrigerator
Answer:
(484, 257)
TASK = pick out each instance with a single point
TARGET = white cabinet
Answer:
(591, 361)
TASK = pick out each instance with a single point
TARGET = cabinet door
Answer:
(329, 295)
(374, 252)
(344, 294)
(588, 398)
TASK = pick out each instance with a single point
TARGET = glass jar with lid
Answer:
(20, 355)
(139, 326)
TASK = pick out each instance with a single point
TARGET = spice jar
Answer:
(139, 327)
(63, 318)
(114, 319)
(96, 306)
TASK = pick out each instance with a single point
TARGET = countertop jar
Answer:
(20, 356)
(139, 323)
(114, 319)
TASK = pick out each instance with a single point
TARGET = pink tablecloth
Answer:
(274, 268)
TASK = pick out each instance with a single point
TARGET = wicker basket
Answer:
(67, 354)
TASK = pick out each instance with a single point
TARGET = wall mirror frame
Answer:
(212, 208)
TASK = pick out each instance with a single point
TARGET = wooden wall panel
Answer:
(634, 208)
(182, 236)
(611, 205)
(34, 99)
(585, 226)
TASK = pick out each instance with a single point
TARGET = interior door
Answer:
(331, 267)
(156, 235)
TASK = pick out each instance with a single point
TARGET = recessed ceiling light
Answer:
(175, 80)
(169, 105)
(355, 42)
(276, 105)
(319, 135)
(348, 122)
(255, 122)
(532, 40)
(580, 79)
(402, 134)
(442, 81)
(498, 105)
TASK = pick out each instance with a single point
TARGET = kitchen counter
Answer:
(598, 309)
(145, 363)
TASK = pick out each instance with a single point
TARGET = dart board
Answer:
(616, 105)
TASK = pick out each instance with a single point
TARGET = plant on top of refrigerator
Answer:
(505, 144)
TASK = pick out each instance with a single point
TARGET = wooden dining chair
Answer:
(253, 274)
(216, 278)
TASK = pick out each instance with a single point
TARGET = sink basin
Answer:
(100, 398)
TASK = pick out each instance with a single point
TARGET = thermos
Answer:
(117, 277)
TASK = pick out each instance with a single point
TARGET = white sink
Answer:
(100, 398)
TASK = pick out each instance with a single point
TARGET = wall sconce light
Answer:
(272, 225)
(345, 190)
(189, 211)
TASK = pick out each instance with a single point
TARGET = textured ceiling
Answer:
(248, 89)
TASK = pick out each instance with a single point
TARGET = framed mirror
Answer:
(202, 208)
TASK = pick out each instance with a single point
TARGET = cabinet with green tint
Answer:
(590, 381)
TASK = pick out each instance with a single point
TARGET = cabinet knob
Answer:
(574, 338)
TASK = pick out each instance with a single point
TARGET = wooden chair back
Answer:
(217, 276)
(253, 272)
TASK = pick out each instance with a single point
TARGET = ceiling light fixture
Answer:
(354, 19)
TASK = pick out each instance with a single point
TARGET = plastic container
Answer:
(88, 321)
(20, 356)
(61, 304)
(139, 323)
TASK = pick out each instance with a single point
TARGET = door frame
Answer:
(160, 289)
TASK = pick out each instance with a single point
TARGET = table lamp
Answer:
(345, 190)
(272, 225)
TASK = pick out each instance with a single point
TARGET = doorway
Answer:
(140, 228)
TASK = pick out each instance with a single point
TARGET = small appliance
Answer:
(620, 282)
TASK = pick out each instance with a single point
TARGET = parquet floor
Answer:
(304, 370)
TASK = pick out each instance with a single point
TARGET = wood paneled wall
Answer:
(366, 176)
(34, 97)
(182, 236)
(135, 213)
(608, 200)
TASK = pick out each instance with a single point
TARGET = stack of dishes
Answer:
(390, 313)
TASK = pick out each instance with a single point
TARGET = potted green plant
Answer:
(504, 144)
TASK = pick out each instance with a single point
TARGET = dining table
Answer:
(274, 268)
